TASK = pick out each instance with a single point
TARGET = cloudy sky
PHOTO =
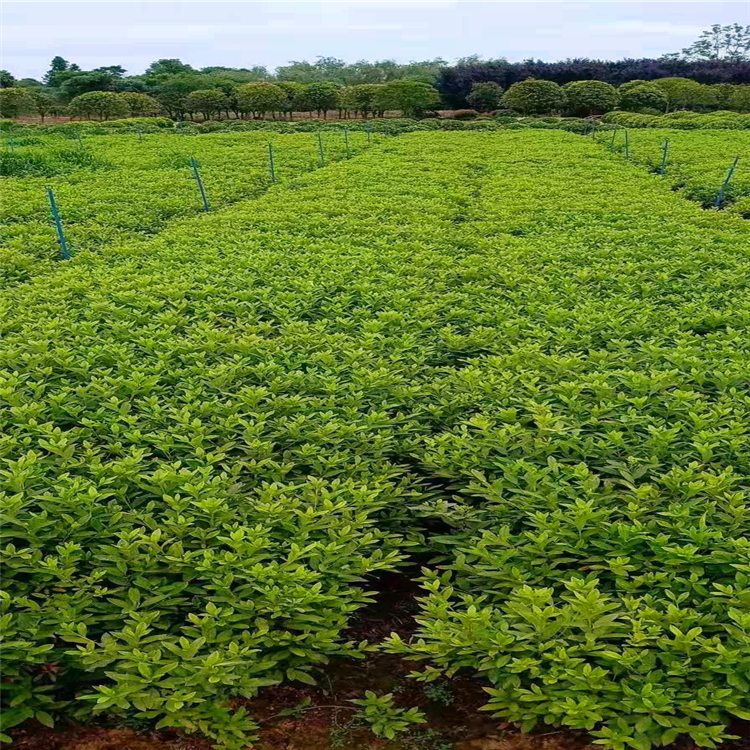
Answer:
(243, 34)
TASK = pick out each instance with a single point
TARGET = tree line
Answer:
(720, 57)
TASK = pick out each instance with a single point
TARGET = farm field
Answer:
(697, 162)
(510, 365)
(112, 189)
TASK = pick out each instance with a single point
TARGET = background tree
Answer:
(44, 103)
(172, 93)
(7, 81)
(59, 67)
(321, 97)
(643, 96)
(731, 42)
(364, 96)
(533, 97)
(260, 98)
(114, 70)
(84, 82)
(346, 102)
(168, 66)
(294, 97)
(100, 104)
(15, 102)
(740, 99)
(411, 97)
(587, 98)
(485, 96)
(140, 105)
(206, 101)
(683, 93)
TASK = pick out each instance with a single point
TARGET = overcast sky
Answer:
(243, 34)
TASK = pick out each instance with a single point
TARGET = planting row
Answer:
(695, 163)
(680, 120)
(214, 438)
(113, 190)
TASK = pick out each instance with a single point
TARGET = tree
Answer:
(683, 93)
(7, 81)
(533, 97)
(99, 104)
(731, 42)
(114, 70)
(411, 97)
(58, 65)
(172, 92)
(260, 98)
(591, 97)
(364, 96)
(294, 95)
(347, 101)
(44, 103)
(168, 66)
(140, 105)
(14, 102)
(485, 96)
(740, 99)
(206, 101)
(321, 97)
(643, 96)
(83, 83)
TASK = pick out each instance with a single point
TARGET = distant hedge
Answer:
(454, 83)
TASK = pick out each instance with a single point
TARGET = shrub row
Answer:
(212, 439)
(681, 120)
(697, 163)
(119, 189)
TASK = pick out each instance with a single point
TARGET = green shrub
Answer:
(532, 97)
(646, 96)
(587, 98)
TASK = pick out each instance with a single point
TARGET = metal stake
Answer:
(197, 175)
(64, 252)
(720, 196)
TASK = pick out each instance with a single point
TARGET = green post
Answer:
(664, 155)
(346, 144)
(11, 145)
(197, 175)
(369, 133)
(612, 142)
(321, 151)
(627, 146)
(140, 134)
(78, 136)
(64, 252)
(179, 127)
(720, 196)
(270, 163)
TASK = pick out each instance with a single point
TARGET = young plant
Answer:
(385, 719)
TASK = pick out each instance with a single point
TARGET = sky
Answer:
(244, 34)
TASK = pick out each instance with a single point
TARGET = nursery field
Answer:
(697, 162)
(111, 189)
(512, 366)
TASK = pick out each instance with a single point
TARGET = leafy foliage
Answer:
(697, 163)
(385, 719)
(532, 97)
(591, 97)
(485, 96)
(100, 104)
(213, 438)
(648, 96)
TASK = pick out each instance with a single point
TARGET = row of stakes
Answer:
(663, 166)
(64, 249)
